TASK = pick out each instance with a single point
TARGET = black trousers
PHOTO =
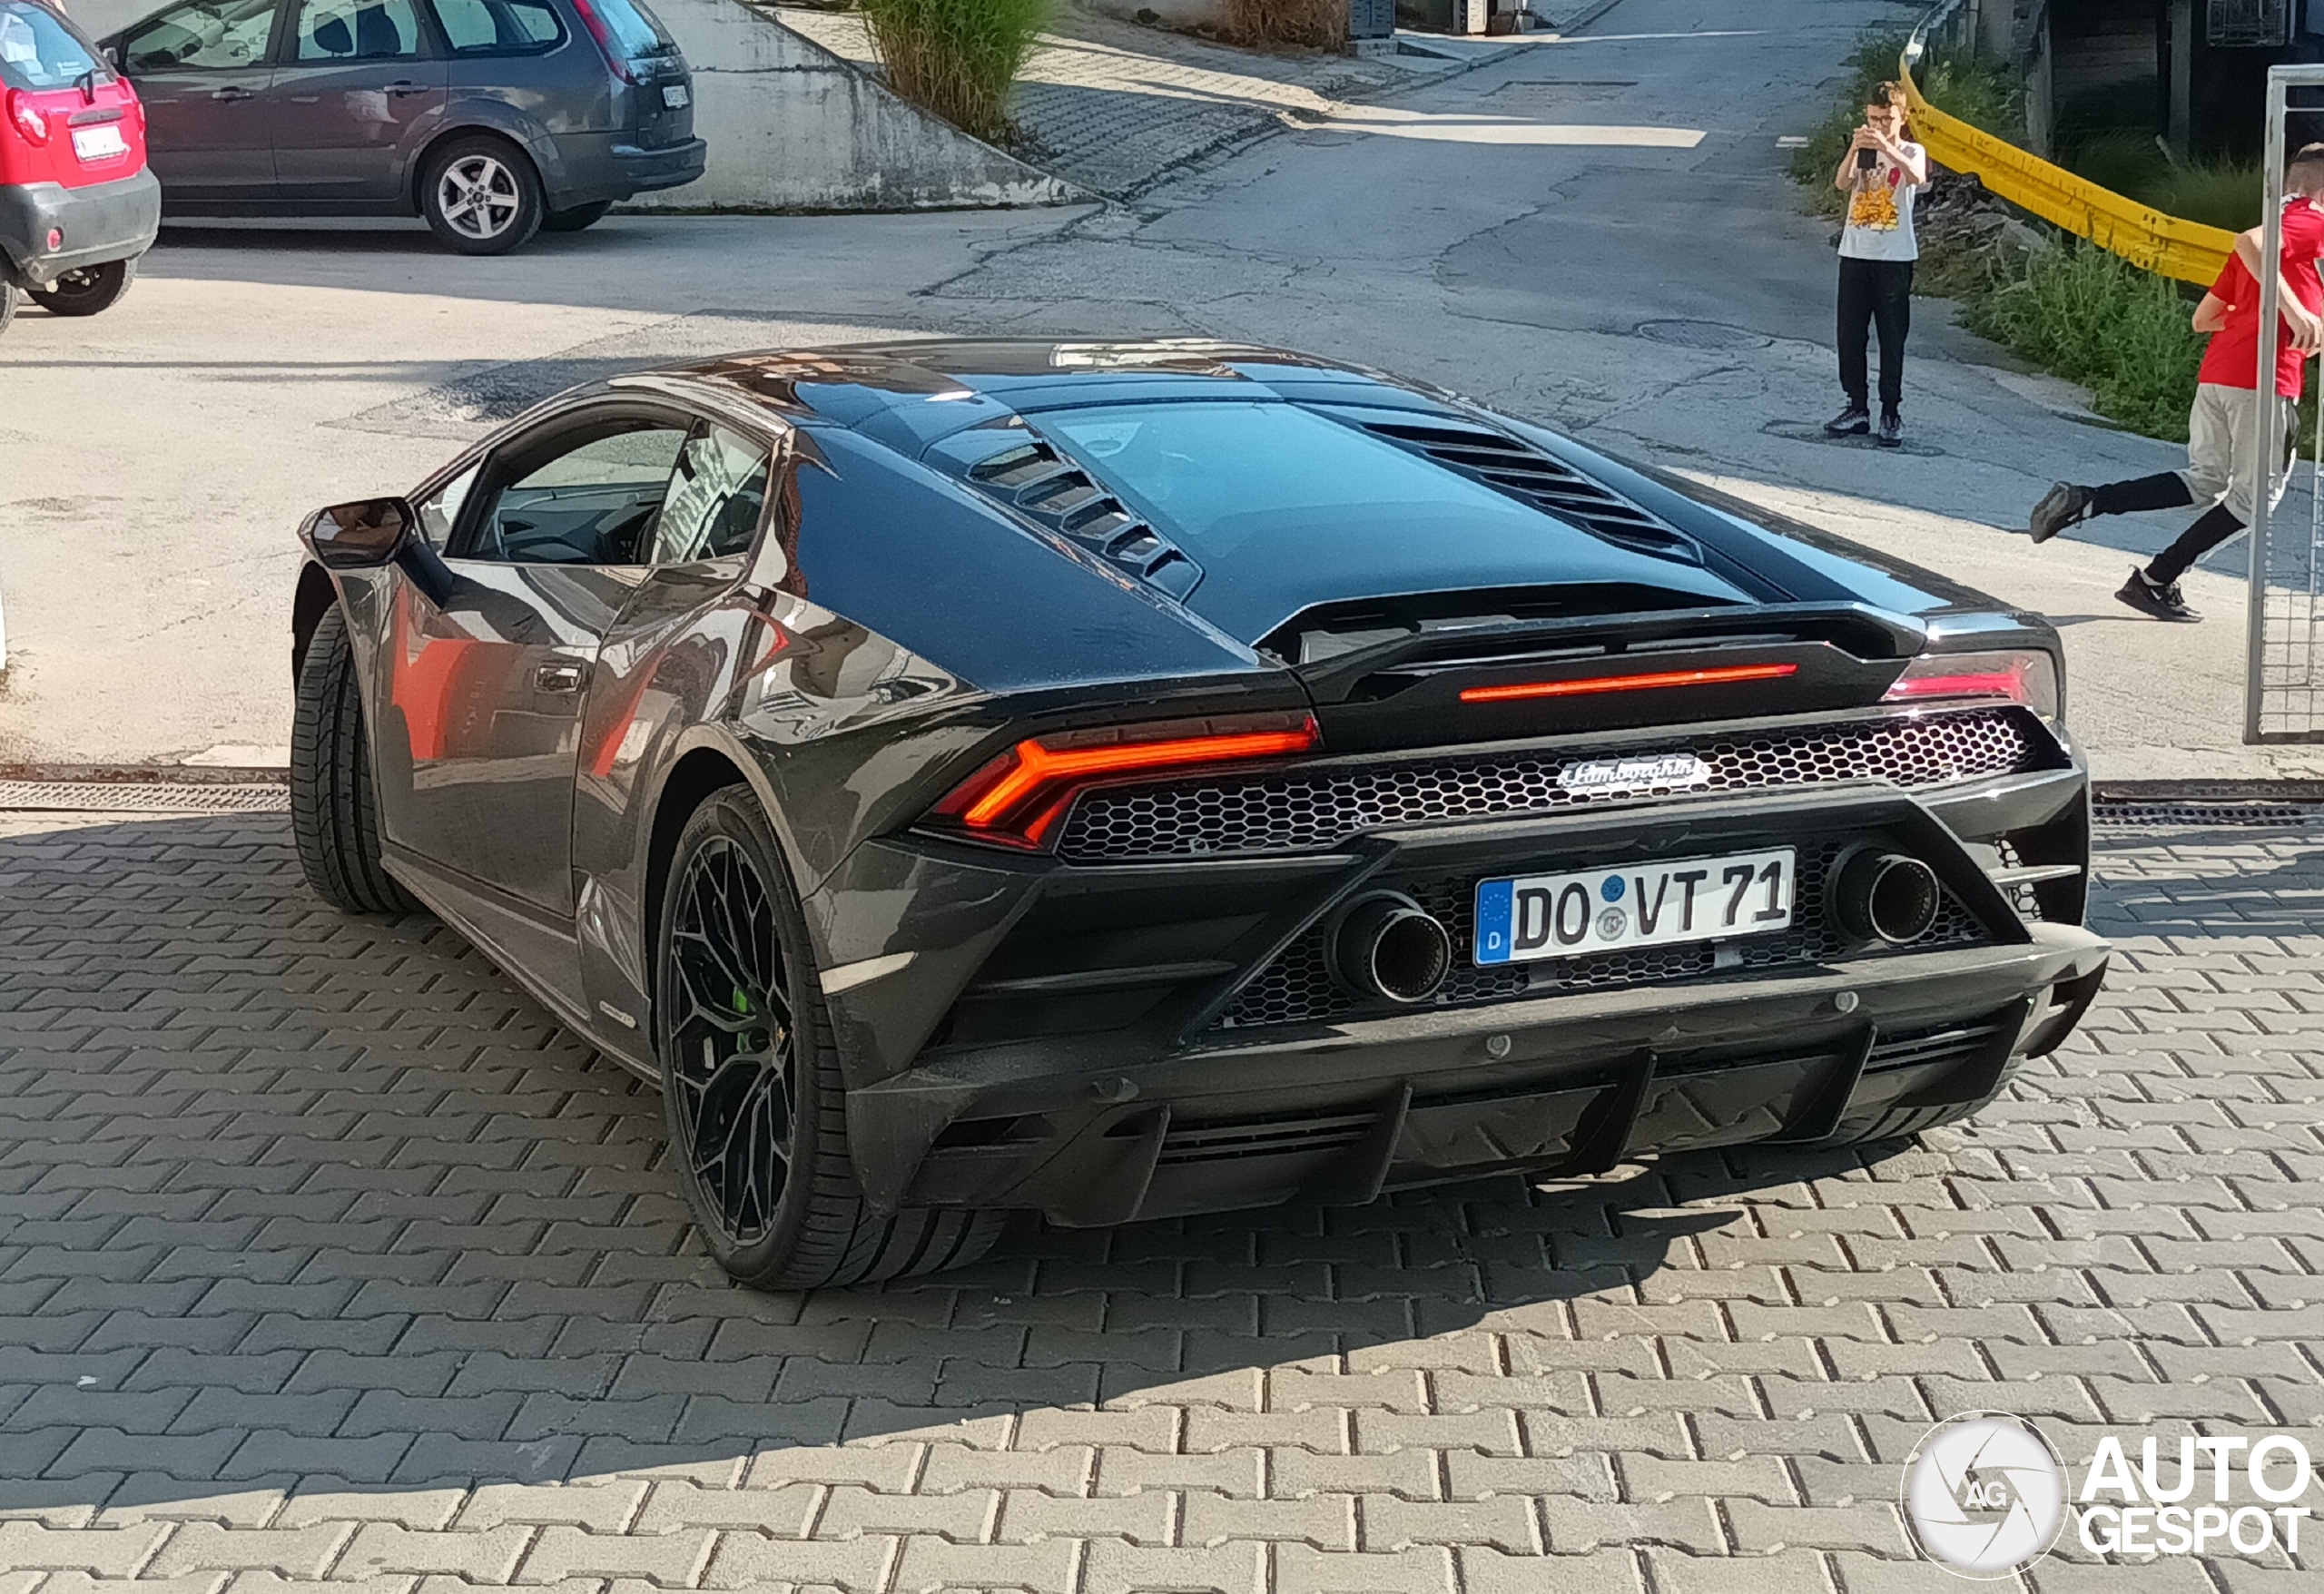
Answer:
(1875, 293)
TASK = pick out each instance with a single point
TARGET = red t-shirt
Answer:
(2232, 361)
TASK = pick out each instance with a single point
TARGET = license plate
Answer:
(674, 96)
(99, 143)
(1529, 917)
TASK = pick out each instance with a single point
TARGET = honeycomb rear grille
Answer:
(1297, 987)
(1291, 811)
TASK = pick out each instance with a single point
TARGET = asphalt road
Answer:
(1594, 231)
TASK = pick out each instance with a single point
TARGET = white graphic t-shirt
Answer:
(1880, 215)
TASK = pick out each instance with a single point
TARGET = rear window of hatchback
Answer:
(38, 51)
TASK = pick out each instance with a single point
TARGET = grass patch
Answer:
(1316, 23)
(958, 58)
(2216, 193)
(2099, 321)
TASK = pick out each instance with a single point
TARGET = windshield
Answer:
(38, 51)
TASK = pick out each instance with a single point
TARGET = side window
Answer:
(497, 27)
(588, 497)
(355, 30)
(209, 36)
(715, 499)
(440, 510)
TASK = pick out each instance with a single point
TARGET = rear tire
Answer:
(334, 801)
(86, 291)
(480, 195)
(576, 217)
(751, 1091)
(8, 297)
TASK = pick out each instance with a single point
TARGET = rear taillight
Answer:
(27, 118)
(1646, 680)
(1014, 800)
(2029, 678)
(607, 46)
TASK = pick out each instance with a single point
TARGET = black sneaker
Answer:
(1852, 422)
(2164, 603)
(2062, 506)
(1892, 429)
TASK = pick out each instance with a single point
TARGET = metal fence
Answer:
(2284, 678)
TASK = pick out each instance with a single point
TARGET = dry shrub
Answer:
(1321, 23)
(958, 58)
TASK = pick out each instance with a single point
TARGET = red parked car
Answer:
(78, 205)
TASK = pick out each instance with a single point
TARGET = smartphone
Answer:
(1866, 160)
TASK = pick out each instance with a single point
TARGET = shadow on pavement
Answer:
(301, 1202)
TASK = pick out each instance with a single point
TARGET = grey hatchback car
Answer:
(492, 119)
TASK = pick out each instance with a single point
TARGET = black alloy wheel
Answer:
(733, 1095)
(86, 291)
(752, 1090)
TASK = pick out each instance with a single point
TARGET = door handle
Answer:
(229, 94)
(404, 86)
(557, 677)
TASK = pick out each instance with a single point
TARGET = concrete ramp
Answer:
(792, 127)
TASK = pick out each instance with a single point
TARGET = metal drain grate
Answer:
(141, 797)
(2203, 815)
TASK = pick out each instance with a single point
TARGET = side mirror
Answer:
(358, 536)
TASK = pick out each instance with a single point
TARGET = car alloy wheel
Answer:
(478, 197)
(730, 1040)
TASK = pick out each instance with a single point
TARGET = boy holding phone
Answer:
(1881, 174)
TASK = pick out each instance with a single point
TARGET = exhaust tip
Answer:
(1886, 897)
(1389, 945)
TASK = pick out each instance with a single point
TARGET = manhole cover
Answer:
(1702, 335)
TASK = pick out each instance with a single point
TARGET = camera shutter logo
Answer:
(1984, 1494)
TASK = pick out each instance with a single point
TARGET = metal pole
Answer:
(2263, 404)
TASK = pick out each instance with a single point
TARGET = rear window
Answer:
(636, 30)
(498, 27)
(38, 51)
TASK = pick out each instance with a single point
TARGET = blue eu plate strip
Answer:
(1494, 897)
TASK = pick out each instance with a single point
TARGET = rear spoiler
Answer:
(1859, 629)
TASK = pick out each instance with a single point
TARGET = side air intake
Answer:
(1032, 479)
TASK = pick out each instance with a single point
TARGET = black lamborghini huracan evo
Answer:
(1125, 780)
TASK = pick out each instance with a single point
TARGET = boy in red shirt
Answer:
(2219, 428)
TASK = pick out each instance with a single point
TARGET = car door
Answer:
(202, 72)
(486, 678)
(685, 639)
(359, 88)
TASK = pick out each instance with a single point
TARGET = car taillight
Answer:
(27, 118)
(2029, 677)
(1015, 799)
(1646, 680)
(606, 45)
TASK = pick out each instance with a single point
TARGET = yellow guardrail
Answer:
(2189, 250)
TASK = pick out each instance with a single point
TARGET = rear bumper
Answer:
(104, 221)
(1566, 1086)
(595, 168)
(1085, 1041)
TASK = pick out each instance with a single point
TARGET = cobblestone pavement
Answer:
(1113, 107)
(326, 1259)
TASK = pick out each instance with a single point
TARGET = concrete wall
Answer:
(1172, 13)
(790, 125)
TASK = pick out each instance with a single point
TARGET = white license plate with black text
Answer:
(1529, 917)
(674, 96)
(99, 143)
